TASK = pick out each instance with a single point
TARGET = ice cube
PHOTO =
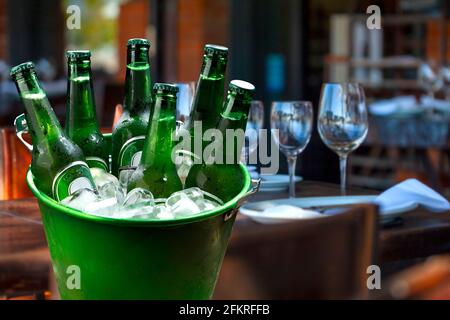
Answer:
(101, 177)
(205, 204)
(103, 207)
(162, 212)
(135, 212)
(193, 193)
(80, 199)
(124, 177)
(138, 204)
(181, 205)
(138, 197)
(212, 197)
(111, 190)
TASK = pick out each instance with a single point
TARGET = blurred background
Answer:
(287, 48)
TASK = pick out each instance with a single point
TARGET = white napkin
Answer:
(390, 106)
(409, 193)
(285, 211)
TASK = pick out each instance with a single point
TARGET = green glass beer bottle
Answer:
(81, 117)
(58, 164)
(156, 171)
(219, 173)
(208, 99)
(129, 133)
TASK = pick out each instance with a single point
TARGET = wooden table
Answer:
(421, 234)
(24, 258)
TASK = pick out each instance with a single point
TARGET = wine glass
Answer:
(255, 123)
(185, 96)
(183, 159)
(291, 126)
(342, 121)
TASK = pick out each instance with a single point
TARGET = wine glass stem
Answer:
(246, 151)
(343, 167)
(292, 160)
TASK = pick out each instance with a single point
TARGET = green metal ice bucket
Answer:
(104, 258)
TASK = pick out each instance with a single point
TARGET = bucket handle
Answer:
(22, 127)
(253, 189)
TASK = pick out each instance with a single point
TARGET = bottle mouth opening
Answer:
(78, 54)
(138, 43)
(212, 50)
(243, 84)
(241, 87)
(165, 88)
(20, 70)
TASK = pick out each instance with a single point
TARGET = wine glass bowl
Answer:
(255, 123)
(186, 91)
(294, 133)
(340, 135)
(291, 126)
(343, 121)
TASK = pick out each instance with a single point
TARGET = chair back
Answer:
(325, 258)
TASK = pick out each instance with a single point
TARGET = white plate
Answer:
(274, 183)
(254, 209)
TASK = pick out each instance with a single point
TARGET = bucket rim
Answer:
(229, 205)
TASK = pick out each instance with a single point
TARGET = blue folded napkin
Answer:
(409, 193)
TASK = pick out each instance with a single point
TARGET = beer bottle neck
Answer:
(232, 124)
(235, 111)
(159, 142)
(207, 103)
(81, 111)
(138, 86)
(41, 120)
(213, 67)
